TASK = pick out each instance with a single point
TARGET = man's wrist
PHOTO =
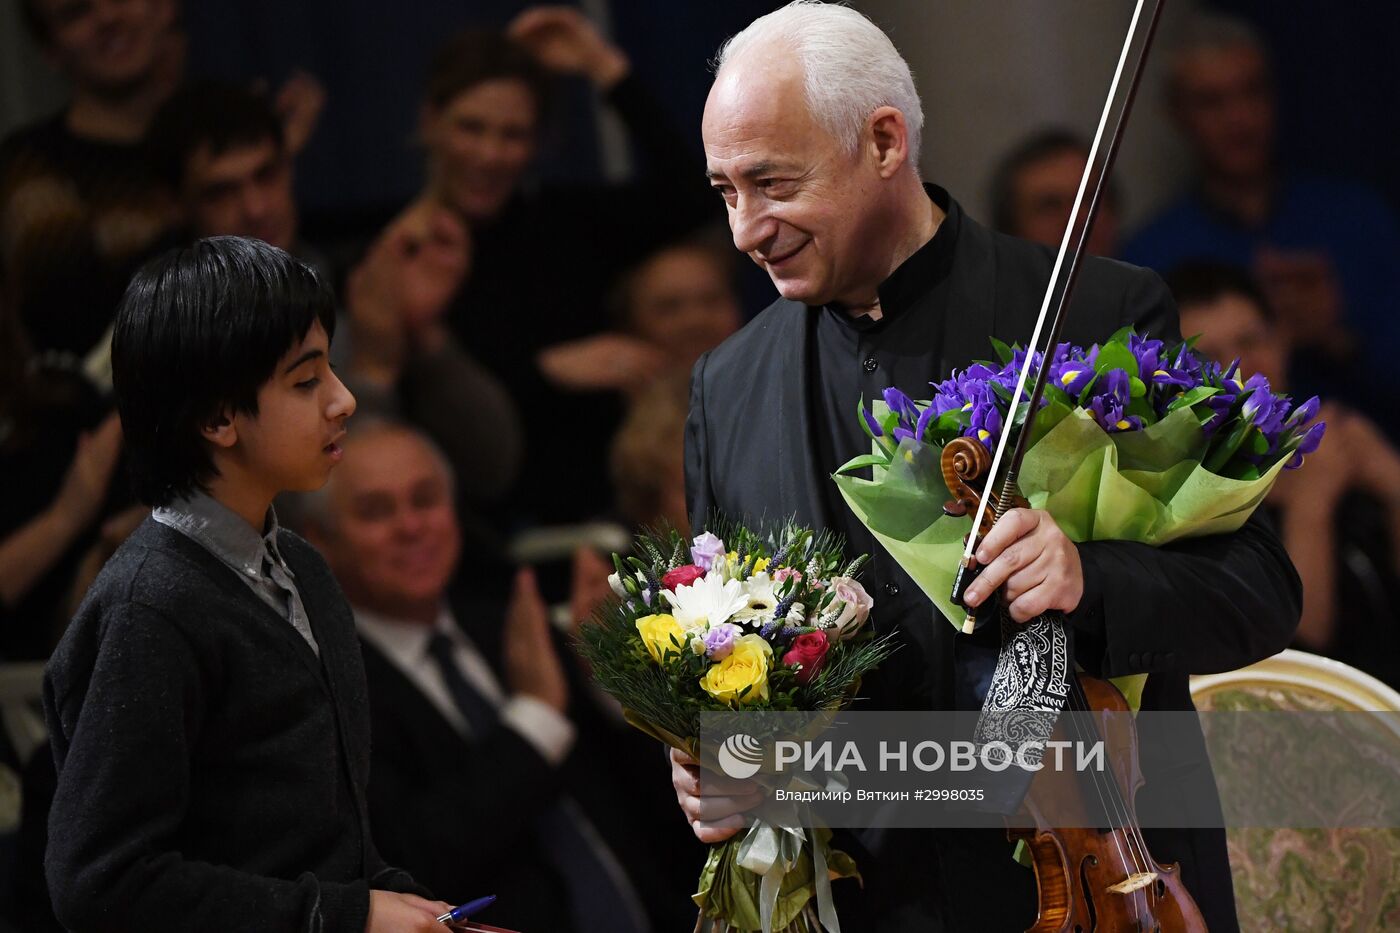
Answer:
(1088, 615)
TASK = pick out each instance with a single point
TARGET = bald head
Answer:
(386, 522)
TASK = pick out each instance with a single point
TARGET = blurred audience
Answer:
(1034, 187)
(79, 204)
(681, 300)
(62, 510)
(544, 258)
(480, 777)
(222, 149)
(1321, 248)
(648, 458)
(1340, 514)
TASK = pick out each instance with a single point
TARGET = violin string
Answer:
(1122, 810)
(1126, 815)
(1132, 826)
(1105, 797)
(1130, 860)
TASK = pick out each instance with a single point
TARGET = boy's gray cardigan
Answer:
(211, 769)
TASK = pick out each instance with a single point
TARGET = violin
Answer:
(1088, 877)
(1098, 875)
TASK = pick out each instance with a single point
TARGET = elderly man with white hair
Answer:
(811, 136)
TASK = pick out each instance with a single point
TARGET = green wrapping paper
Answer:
(1147, 486)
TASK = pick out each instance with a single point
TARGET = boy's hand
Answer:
(718, 812)
(391, 912)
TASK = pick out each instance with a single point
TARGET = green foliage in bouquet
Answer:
(761, 621)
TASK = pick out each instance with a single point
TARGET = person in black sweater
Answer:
(207, 705)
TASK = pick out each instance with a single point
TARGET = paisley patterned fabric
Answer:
(1030, 685)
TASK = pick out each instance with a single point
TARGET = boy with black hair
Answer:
(207, 704)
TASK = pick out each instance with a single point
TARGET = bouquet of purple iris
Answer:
(1133, 440)
(1129, 383)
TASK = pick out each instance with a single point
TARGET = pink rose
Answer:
(782, 573)
(851, 607)
(809, 652)
(681, 576)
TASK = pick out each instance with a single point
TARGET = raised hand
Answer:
(603, 361)
(532, 664)
(564, 40)
(299, 103)
(85, 484)
(399, 292)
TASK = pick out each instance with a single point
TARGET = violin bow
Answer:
(1066, 270)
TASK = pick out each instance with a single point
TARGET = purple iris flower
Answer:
(1303, 413)
(871, 423)
(1309, 443)
(925, 417)
(901, 404)
(986, 421)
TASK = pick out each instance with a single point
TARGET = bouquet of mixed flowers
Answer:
(1133, 441)
(739, 620)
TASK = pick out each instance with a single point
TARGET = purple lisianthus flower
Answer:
(705, 550)
(719, 641)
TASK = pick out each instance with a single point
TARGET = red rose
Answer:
(810, 652)
(681, 576)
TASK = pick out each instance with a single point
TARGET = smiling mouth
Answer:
(782, 259)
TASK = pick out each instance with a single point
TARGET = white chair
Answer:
(1310, 879)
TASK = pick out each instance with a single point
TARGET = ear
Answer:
(889, 140)
(220, 430)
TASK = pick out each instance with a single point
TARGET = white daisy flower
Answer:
(706, 602)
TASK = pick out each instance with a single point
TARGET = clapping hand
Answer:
(564, 40)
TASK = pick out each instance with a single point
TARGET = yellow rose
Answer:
(656, 632)
(732, 562)
(746, 666)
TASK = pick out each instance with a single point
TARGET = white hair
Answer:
(849, 66)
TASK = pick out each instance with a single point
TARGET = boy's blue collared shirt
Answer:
(255, 558)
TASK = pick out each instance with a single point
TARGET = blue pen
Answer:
(458, 914)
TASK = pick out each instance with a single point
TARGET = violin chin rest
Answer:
(1136, 881)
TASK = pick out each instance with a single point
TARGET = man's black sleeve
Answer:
(699, 498)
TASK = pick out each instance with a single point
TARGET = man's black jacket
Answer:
(1196, 606)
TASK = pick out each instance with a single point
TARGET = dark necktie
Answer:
(600, 896)
(478, 712)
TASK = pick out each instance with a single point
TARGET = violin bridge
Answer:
(1134, 882)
